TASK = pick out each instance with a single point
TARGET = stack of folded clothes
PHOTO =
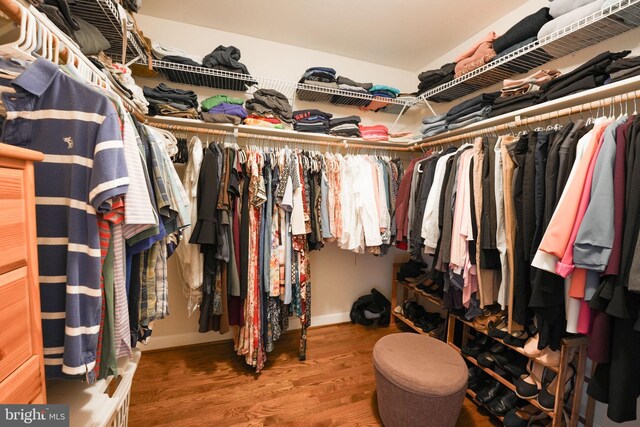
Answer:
(171, 54)
(589, 75)
(269, 108)
(566, 12)
(470, 111)
(228, 59)
(623, 68)
(318, 76)
(503, 105)
(223, 109)
(348, 85)
(172, 102)
(434, 125)
(522, 93)
(527, 84)
(476, 56)
(380, 92)
(345, 126)
(433, 78)
(311, 120)
(521, 34)
(374, 133)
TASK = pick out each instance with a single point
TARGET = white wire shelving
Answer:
(220, 79)
(111, 20)
(606, 23)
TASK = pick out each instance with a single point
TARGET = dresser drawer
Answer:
(13, 236)
(24, 385)
(15, 318)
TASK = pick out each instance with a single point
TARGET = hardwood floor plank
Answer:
(209, 385)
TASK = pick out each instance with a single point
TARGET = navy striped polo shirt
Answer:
(78, 130)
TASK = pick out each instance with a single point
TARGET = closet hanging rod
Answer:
(517, 122)
(345, 144)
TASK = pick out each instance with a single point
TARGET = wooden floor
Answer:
(208, 385)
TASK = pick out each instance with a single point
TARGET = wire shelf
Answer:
(220, 79)
(601, 25)
(104, 15)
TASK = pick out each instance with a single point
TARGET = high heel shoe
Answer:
(528, 386)
(531, 347)
(547, 399)
(549, 357)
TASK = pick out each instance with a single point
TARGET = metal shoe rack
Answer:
(601, 25)
(572, 349)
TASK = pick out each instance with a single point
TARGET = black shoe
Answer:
(475, 347)
(490, 392)
(503, 403)
(519, 338)
(498, 329)
(517, 367)
(523, 417)
(476, 377)
(489, 360)
(546, 398)
(498, 348)
(527, 389)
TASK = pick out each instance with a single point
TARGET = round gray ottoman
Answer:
(420, 381)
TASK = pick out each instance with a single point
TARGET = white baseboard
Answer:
(179, 340)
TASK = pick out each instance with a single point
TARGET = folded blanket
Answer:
(569, 18)
(562, 7)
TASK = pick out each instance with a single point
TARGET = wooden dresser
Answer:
(21, 354)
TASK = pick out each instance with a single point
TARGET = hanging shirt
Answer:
(190, 260)
(83, 169)
(430, 220)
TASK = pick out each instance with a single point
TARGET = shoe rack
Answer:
(573, 349)
(409, 289)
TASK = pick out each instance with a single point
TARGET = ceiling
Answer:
(405, 34)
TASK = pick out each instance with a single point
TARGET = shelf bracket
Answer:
(404, 108)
